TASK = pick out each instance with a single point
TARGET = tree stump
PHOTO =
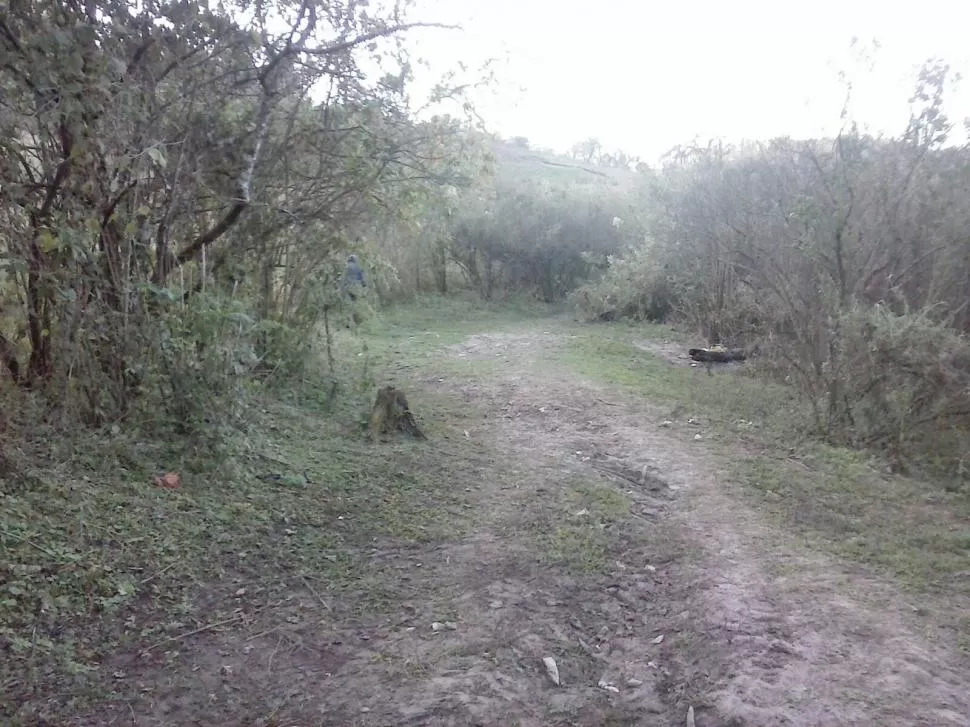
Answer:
(391, 413)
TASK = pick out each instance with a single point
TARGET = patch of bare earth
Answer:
(685, 613)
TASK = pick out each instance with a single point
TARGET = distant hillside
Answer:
(515, 159)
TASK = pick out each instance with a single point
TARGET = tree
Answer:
(587, 151)
(150, 153)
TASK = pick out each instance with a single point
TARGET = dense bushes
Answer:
(636, 287)
(905, 381)
(538, 234)
(176, 207)
(846, 258)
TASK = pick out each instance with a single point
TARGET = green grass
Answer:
(905, 526)
(103, 562)
(449, 319)
(95, 559)
(580, 530)
(737, 403)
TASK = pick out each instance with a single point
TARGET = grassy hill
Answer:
(517, 160)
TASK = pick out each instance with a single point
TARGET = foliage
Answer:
(181, 185)
(636, 287)
(99, 564)
(905, 383)
(527, 231)
(845, 258)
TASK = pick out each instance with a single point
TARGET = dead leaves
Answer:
(168, 481)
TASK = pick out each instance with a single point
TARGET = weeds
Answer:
(575, 529)
(96, 559)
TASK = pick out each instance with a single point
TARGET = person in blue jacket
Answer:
(353, 277)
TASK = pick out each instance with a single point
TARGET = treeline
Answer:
(529, 234)
(181, 184)
(531, 223)
(846, 259)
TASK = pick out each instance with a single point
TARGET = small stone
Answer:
(603, 684)
(552, 669)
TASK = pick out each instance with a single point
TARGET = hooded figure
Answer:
(353, 276)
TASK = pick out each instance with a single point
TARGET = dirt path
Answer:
(610, 543)
(769, 635)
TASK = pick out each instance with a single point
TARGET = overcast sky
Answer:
(645, 75)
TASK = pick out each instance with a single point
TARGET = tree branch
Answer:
(245, 183)
(367, 37)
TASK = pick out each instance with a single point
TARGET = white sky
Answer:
(645, 75)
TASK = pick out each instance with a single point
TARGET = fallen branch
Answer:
(318, 596)
(187, 634)
(29, 542)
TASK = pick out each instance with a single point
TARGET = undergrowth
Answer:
(97, 559)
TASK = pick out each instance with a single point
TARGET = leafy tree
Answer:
(173, 196)
(526, 231)
(587, 150)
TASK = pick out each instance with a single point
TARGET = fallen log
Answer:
(717, 355)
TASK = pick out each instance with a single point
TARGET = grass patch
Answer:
(450, 319)
(904, 526)
(98, 564)
(732, 401)
(95, 560)
(579, 531)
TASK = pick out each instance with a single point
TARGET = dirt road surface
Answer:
(607, 537)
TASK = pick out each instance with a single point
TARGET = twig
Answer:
(274, 460)
(319, 597)
(566, 406)
(152, 577)
(267, 632)
(29, 542)
(193, 632)
(269, 664)
(608, 403)
(613, 473)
